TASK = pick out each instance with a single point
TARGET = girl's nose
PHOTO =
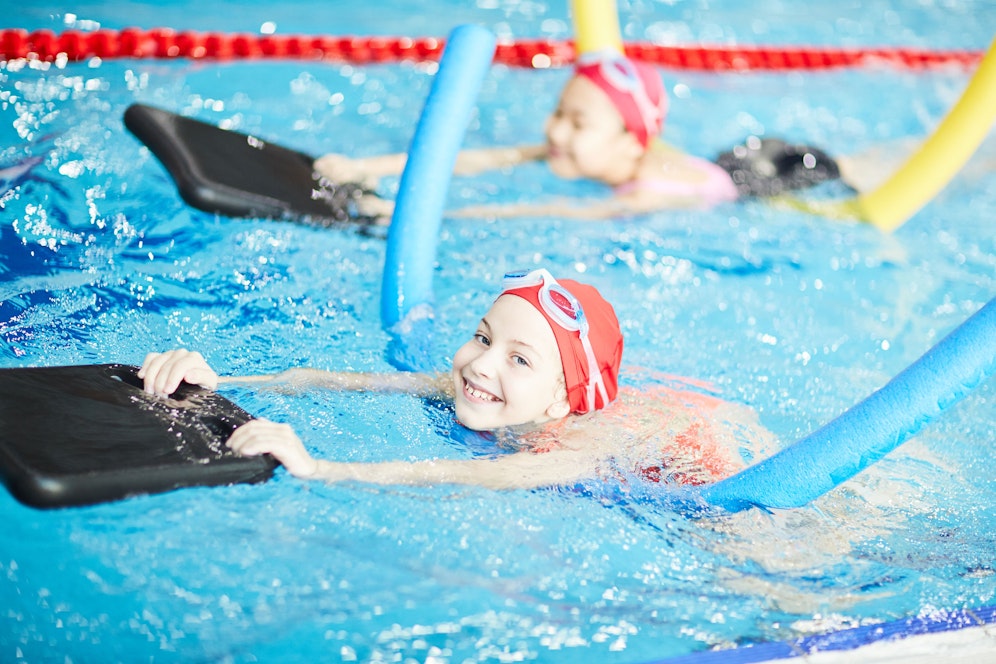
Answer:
(484, 364)
(556, 129)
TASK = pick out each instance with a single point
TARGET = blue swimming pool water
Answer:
(794, 316)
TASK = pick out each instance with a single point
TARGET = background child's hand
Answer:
(162, 373)
(265, 437)
(339, 168)
(374, 206)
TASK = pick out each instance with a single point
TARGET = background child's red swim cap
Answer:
(625, 81)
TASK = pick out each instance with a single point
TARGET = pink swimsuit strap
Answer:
(716, 187)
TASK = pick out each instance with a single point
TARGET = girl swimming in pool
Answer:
(606, 128)
(541, 368)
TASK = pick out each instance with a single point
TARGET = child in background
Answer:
(606, 128)
(542, 370)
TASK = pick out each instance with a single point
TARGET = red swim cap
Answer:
(604, 336)
(634, 88)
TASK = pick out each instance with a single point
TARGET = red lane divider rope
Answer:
(74, 45)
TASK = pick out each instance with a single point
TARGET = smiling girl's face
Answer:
(510, 372)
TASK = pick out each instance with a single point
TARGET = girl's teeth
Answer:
(479, 394)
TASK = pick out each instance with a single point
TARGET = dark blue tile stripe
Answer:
(846, 639)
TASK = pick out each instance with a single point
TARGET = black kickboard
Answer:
(79, 435)
(238, 175)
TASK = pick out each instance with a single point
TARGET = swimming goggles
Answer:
(619, 72)
(560, 306)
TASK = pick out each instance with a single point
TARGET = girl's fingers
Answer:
(151, 367)
(265, 437)
(162, 373)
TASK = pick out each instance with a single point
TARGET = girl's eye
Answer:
(520, 361)
(482, 339)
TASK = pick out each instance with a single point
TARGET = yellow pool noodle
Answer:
(596, 26)
(940, 157)
(929, 169)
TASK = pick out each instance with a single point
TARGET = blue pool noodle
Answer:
(872, 428)
(411, 241)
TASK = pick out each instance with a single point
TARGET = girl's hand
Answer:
(162, 373)
(265, 437)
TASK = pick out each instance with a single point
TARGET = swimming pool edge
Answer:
(844, 640)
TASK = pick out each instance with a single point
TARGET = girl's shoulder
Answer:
(676, 430)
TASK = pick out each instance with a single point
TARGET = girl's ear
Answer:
(561, 407)
(558, 410)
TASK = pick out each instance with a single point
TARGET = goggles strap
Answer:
(595, 381)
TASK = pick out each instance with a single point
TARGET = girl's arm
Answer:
(418, 384)
(522, 470)
(162, 374)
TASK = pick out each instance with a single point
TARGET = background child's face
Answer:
(510, 372)
(586, 137)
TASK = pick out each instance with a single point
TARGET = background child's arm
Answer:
(368, 170)
(577, 210)
(472, 162)
(864, 171)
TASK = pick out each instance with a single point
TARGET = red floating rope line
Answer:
(75, 45)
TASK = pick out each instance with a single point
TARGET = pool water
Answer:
(795, 316)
